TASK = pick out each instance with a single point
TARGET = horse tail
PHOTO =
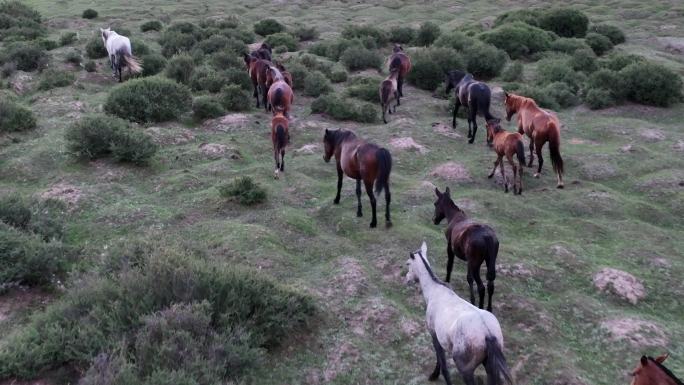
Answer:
(486, 102)
(281, 137)
(395, 63)
(132, 62)
(384, 159)
(520, 151)
(277, 103)
(554, 147)
(492, 250)
(496, 366)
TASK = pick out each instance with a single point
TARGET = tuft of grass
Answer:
(152, 25)
(150, 99)
(15, 117)
(52, 78)
(67, 38)
(89, 14)
(267, 27)
(244, 190)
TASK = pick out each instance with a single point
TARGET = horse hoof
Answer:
(373, 225)
(433, 377)
(490, 176)
(388, 224)
(471, 141)
(560, 186)
(359, 214)
(336, 201)
(536, 175)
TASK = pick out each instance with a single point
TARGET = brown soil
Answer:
(638, 333)
(216, 150)
(620, 283)
(407, 143)
(64, 192)
(451, 171)
(308, 149)
(445, 130)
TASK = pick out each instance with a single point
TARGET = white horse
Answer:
(467, 334)
(119, 52)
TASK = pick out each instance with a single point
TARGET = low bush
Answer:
(599, 43)
(132, 146)
(484, 61)
(358, 58)
(89, 14)
(43, 218)
(377, 35)
(612, 32)
(139, 47)
(46, 44)
(427, 34)
(90, 66)
(518, 39)
(316, 84)
(15, 117)
(151, 99)
(91, 136)
(430, 66)
(95, 49)
(235, 98)
(337, 75)
(215, 43)
(568, 45)
(650, 83)
(206, 107)
(298, 72)
(152, 64)
(267, 27)
(282, 38)
(73, 57)
(304, 33)
(598, 98)
(207, 79)
(334, 49)
(67, 38)
(345, 109)
(244, 190)
(152, 25)
(174, 41)
(565, 22)
(26, 56)
(402, 35)
(180, 68)
(52, 78)
(558, 70)
(7, 69)
(239, 77)
(367, 89)
(562, 94)
(513, 72)
(223, 60)
(584, 60)
(527, 16)
(15, 212)
(617, 61)
(18, 21)
(608, 80)
(540, 96)
(456, 40)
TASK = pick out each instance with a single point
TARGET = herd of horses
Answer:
(469, 335)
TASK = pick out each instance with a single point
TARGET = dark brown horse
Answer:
(508, 144)
(280, 136)
(280, 97)
(470, 241)
(263, 52)
(362, 161)
(541, 126)
(258, 72)
(402, 63)
(650, 371)
(388, 93)
(474, 95)
(286, 74)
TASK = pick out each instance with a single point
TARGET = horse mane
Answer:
(455, 76)
(340, 136)
(430, 272)
(666, 371)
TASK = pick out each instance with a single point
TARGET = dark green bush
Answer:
(90, 66)
(368, 90)
(152, 25)
(402, 35)
(67, 38)
(617, 61)
(599, 98)
(333, 50)
(152, 64)
(304, 33)
(14, 212)
(46, 44)
(345, 109)
(215, 43)
(484, 61)
(282, 38)
(513, 72)
(89, 14)
(73, 57)
(180, 68)
(44, 218)
(139, 47)
(132, 146)
(174, 41)
(152, 99)
(337, 75)
(377, 35)
(568, 45)
(527, 16)
(206, 107)
(599, 43)
(267, 27)
(565, 22)
(298, 72)
(207, 79)
(14, 117)
(91, 136)
(608, 80)
(26, 56)
(558, 70)
(562, 94)
(239, 77)
(584, 60)
(235, 98)
(518, 39)
(19, 22)
(540, 96)
(95, 49)
(430, 66)
(223, 60)
(612, 32)
(244, 190)
(357, 58)
(52, 78)
(456, 40)
(650, 83)
(316, 84)
(427, 34)
(240, 34)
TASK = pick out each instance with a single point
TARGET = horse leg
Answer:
(120, 77)
(450, 262)
(441, 362)
(388, 199)
(469, 277)
(503, 174)
(282, 159)
(400, 85)
(277, 165)
(397, 96)
(538, 144)
(384, 110)
(496, 163)
(515, 175)
(472, 110)
(340, 175)
(457, 104)
(256, 92)
(480, 285)
(359, 213)
(491, 275)
(465, 368)
(267, 105)
(529, 164)
(371, 196)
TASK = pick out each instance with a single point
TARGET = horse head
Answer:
(493, 125)
(105, 34)
(510, 101)
(650, 370)
(453, 77)
(329, 144)
(414, 263)
(441, 204)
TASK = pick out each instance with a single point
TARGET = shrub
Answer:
(152, 25)
(244, 190)
(612, 32)
(239, 77)
(173, 41)
(568, 45)
(73, 57)
(651, 83)
(95, 49)
(598, 98)
(562, 94)
(367, 90)
(267, 27)
(513, 72)
(527, 16)
(298, 72)
(378, 36)
(316, 84)
(67, 38)
(14, 212)
(90, 66)
(345, 109)
(28, 57)
(518, 39)
(280, 49)
(52, 78)
(456, 40)
(605, 79)
(151, 99)
(14, 117)
(557, 70)
(357, 58)
(540, 96)
(430, 66)
(152, 64)
(207, 79)
(132, 146)
(402, 35)
(139, 47)
(180, 68)
(282, 38)
(46, 44)
(584, 60)
(42, 218)
(206, 107)
(223, 60)
(7, 69)
(333, 50)
(304, 33)
(235, 98)
(618, 61)
(89, 14)
(19, 22)
(242, 35)
(427, 34)
(599, 43)
(565, 22)
(91, 136)
(337, 75)
(217, 43)
(484, 60)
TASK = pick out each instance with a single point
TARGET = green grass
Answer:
(619, 209)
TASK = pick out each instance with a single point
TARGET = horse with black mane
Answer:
(280, 95)
(508, 144)
(472, 94)
(402, 63)
(651, 371)
(280, 136)
(389, 93)
(258, 71)
(362, 161)
(264, 52)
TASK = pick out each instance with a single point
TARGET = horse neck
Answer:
(452, 212)
(427, 283)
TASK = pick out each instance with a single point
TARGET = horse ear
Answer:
(505, 93)
(423, 249)
(447, 191)
(439, 194)
(644, 361)
(662, 358)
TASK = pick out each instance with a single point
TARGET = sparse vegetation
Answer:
(316, 84)
(152, 25)
(18, 21)
(15, 117)
(358, 58)
(244, 190)
(180, 68)
(282, 39)
(26, 56)
(599, 43)
(345, 109)
(206, 107)
(151, 99)
(53, 79)
(267, 27)
(235, 98)
(67, 38)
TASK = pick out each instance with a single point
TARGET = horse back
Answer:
(469, 239)
(401, 61)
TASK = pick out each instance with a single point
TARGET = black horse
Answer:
(263, 52)
(474, 95)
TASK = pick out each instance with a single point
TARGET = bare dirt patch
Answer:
(19, 299)
(672, 44)
(308, 149)
(679, 146)
(216, 151)
(407, 143)
(620, 283)
(168, 136)
(227, 123)
(637, 332)
(20, 82)
(373, 317)
(451, 171)
(652, 135)
(445, 130)
(517, 270)
(351, 281)
(581, 141)
(64, 192)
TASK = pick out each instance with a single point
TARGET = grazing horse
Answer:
(540, 126)
(258, 72)
(280, 97)
(402, 63)
(474, 95)
(286, 74)
(470, 241)
(650, 371)
(389, 92)
(120, 53)
(470, 336)
(362, 161)
(263, 52)
(507, 144)
(280, 136)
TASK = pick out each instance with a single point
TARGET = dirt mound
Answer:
(18, 299)
(227, 122)
(168, 136)
(679, 146)
(451, 171)
(518, 270)
(216, 150)
(407, 143)
(308, 149)
(19, 82)
(374, 318)
(638, 333)
(64, 192)
(652, 135)
(351, 280)
(620, 283)
(672, 44)
(445, 130)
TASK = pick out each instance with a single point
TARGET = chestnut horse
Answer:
(507, 144)
(389, 92)
(362, 161)
(540, 126)
(258, 72)
(402, 62)
(650, 371)
(280, 97)
(280, 136)
(470, 241)
(475, 96)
